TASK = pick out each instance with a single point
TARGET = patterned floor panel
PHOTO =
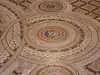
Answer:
(49, 37)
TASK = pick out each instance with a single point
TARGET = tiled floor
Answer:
(49, 37)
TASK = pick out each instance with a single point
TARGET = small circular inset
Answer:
(52, 33)
(50, 6)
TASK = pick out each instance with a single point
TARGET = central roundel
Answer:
(57, 35)
(52, 34)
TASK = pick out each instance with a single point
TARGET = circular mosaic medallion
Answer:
(50, 6)
(53, 35)
(54, 70)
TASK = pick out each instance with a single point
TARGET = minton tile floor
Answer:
(49, 37)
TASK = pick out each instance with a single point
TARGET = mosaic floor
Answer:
(49, 37)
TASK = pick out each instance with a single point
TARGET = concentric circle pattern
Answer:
(50, 6)
(52, 34)
(45, 37)
(10, 36)
(59, 36)
(54, 70)
(9, 26)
